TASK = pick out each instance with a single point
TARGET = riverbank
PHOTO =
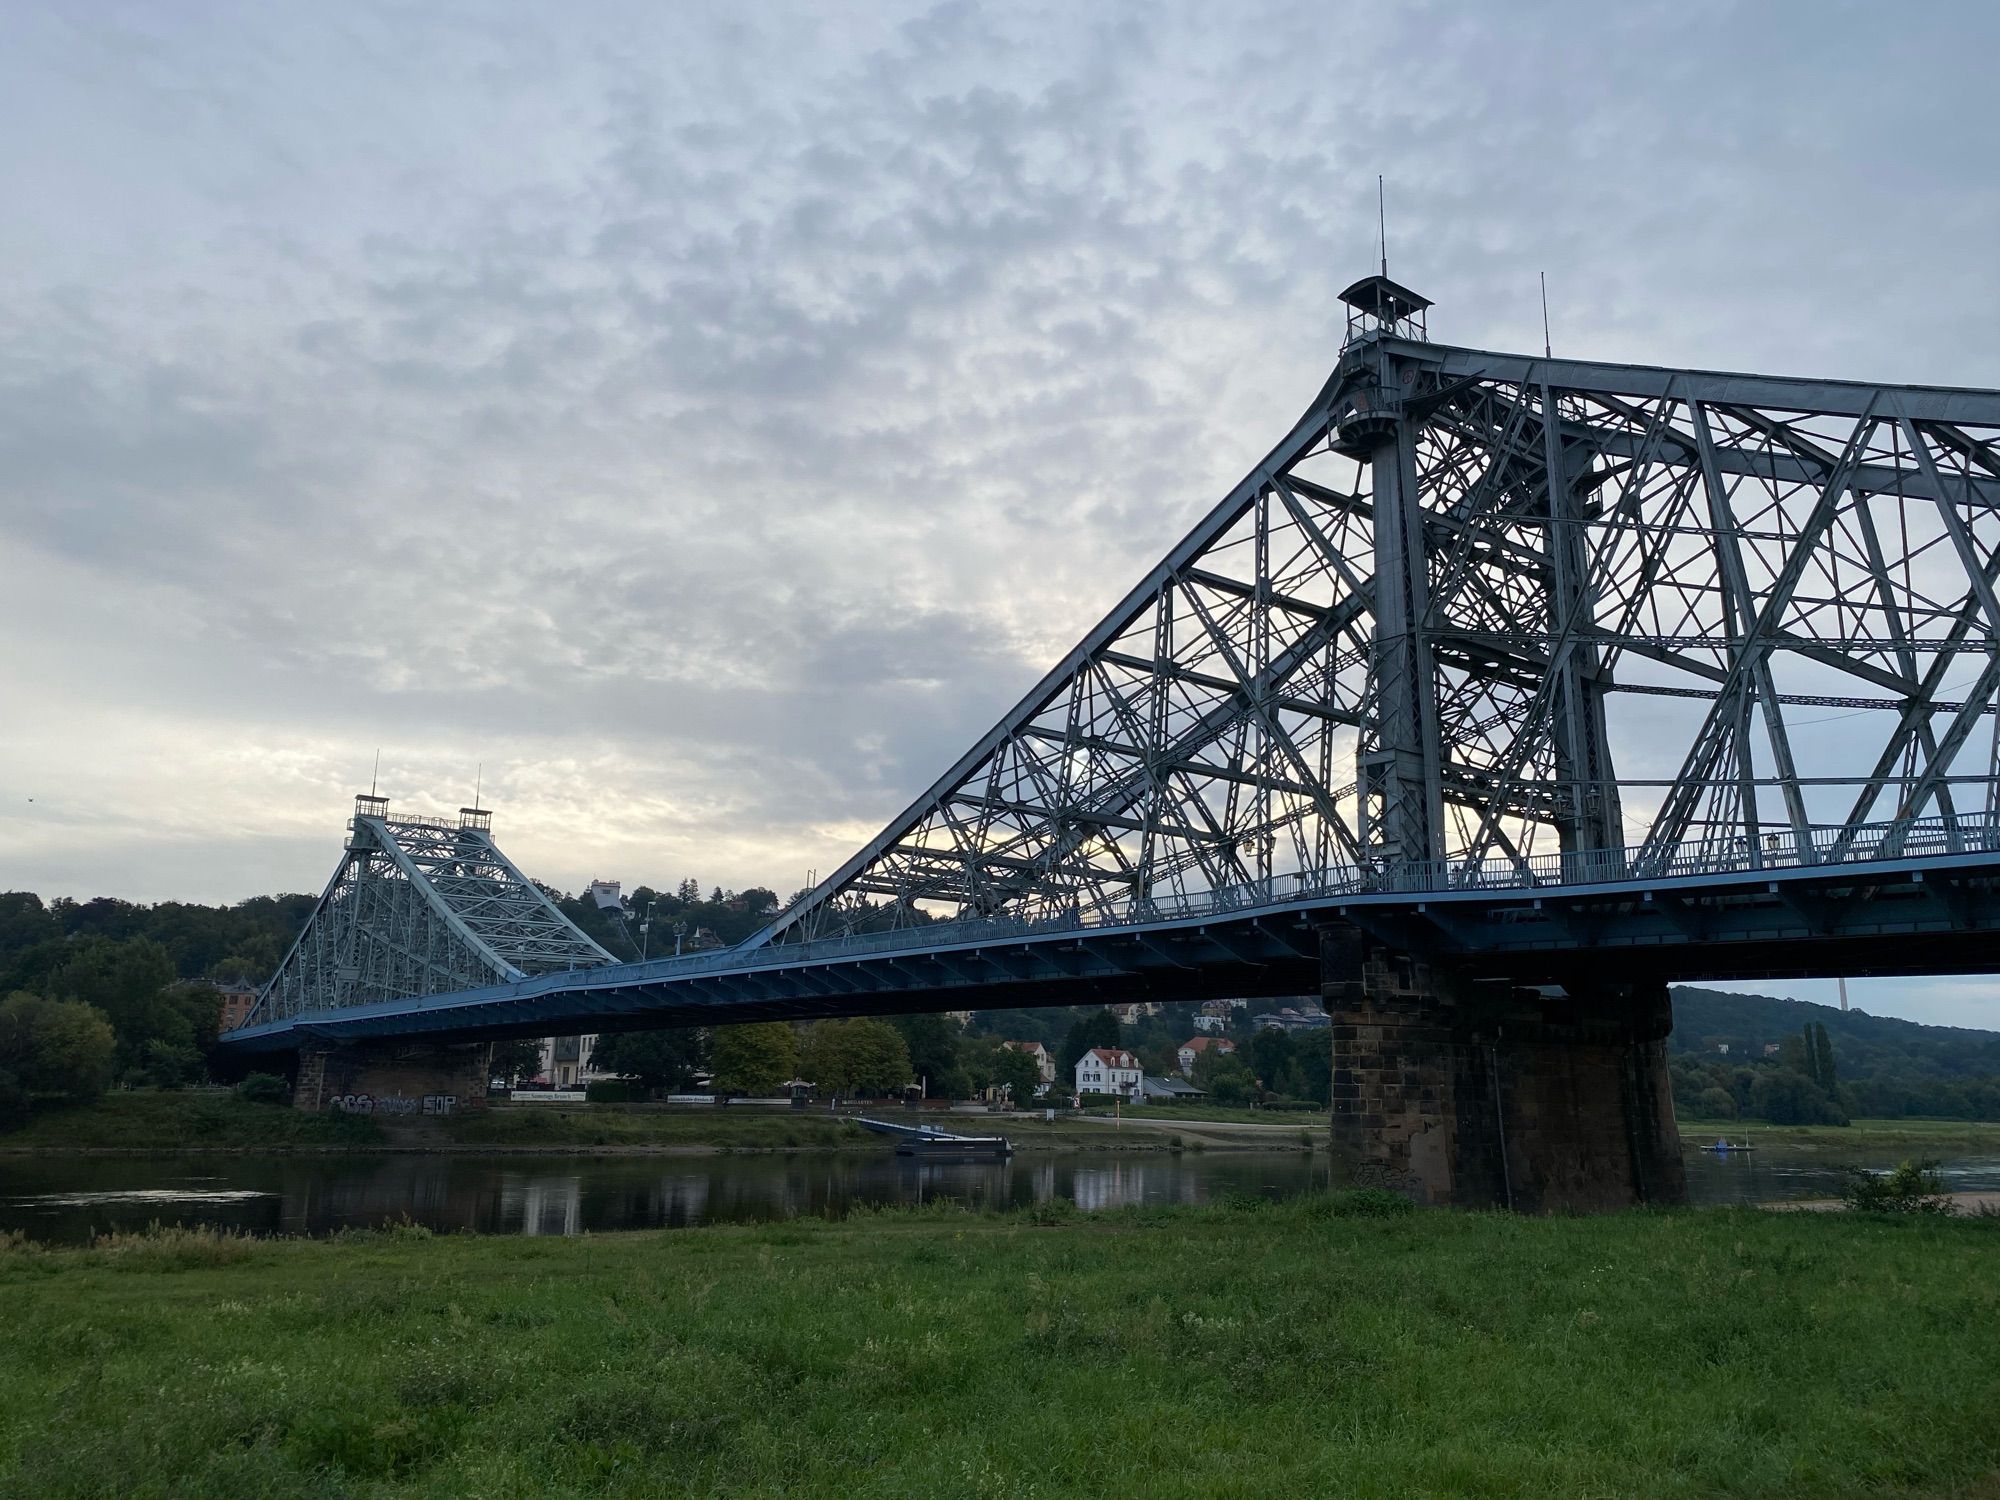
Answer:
(1919, 1137)
(183, 1122)
(1290, 1349)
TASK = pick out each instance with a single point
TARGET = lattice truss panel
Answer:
(1798, 605)
(420, 907)
(1744, 609)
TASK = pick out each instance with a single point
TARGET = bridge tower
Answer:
(418, 906)
(1450, 1089)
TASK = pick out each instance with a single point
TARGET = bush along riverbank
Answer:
(1330, 1345)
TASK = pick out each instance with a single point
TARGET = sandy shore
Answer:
(1966, 1203)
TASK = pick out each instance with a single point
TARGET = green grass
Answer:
(165, 1120)
(1278, 1350)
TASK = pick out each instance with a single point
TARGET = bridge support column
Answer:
(1484, 1093)
(392, 1079)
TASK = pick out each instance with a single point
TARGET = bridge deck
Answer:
(1727, 914)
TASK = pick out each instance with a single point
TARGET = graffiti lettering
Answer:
(392, 1104)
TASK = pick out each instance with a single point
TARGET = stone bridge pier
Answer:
(390, 1079)
(1485, 1093)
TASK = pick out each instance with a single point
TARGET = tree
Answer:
(753, 1058)
(1224, 1077)
(1785, 1097)
(1272, 1060)
(860, 1056)
(1099, 1028)
(131, 980)
(689, 892)
(1823, 1067)
(664, 1059)
(517, 1058)
(60, 1047)
(1715, 1104)
(1017, 1073)
(934, 1046)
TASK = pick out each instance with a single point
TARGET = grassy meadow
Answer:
(1318, 1347)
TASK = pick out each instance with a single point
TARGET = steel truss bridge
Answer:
(1537, 663)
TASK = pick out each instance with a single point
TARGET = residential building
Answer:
(1213, 1023)
(1043, 1060)
(237, 999)
(1171, 1091)
(566, 1062)
(1289, 1018)
(1109, 1070)
(1192, 1049)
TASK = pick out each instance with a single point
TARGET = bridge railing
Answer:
(1774, 850)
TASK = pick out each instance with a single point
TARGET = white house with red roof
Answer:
(1193, 1047)
(1109, 1070)
(1043, 1061)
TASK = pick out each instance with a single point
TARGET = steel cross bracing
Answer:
(1480, 609)
(420, 907)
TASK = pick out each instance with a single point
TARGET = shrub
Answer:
(1913, 1188)
(612, 1091)
(264, 1088)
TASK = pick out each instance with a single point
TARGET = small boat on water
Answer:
(932, 1144)
(1726, 1148)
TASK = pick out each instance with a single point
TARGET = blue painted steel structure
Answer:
(1929, 913)
(1539, 665)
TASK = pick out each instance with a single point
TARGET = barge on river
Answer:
(928, 1143)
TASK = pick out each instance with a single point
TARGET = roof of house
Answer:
(1170, 1088)
(1203, 1043)
(1113, 1057)
(1025, 1046)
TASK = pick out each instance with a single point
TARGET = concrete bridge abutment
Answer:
(391, 1079)
(1454, 1089)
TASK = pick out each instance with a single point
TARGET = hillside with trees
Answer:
(1792, 1062)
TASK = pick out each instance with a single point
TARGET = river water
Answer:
(69, 1199)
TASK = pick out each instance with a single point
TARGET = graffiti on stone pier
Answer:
(392, 1104)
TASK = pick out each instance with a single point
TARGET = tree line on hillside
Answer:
(1791, 1062)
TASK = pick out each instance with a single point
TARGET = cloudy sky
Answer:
(708, 419)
